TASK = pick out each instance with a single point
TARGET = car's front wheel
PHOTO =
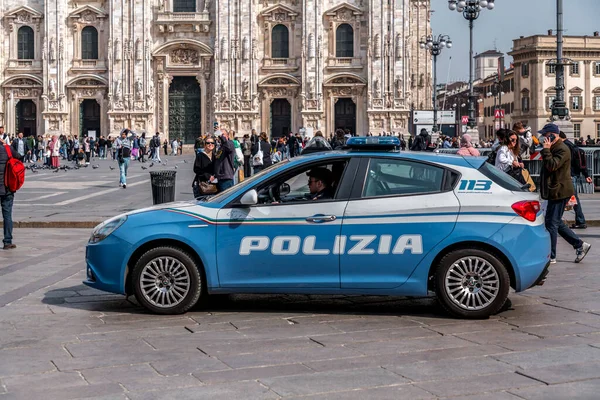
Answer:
(471, 283)
(166, 280)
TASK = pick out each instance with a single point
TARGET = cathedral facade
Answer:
(178, 66)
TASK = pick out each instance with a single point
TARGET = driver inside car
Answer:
(319, 184)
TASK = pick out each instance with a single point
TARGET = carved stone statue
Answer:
(206, 5)
(311, 46)
(118, 90)
(138, 50)
(139, 88)
(377, 87)
(245, 49)
(52, 88)
(52, 51)
(224, 49)
(398, 85)
(311, 89)
(117, 50)
(245, 89)
(377, 46)
(398, 47)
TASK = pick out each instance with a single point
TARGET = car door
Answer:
(286, 245)
(402, 210)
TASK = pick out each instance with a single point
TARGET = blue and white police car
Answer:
(367, 220)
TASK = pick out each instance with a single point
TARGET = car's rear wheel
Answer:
(471, 283)
(166, 280)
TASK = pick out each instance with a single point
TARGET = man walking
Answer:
(124, 145)
(19, 146)
(224, 168)
(6, 197)
(556, 186)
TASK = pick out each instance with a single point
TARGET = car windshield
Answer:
(247, 182)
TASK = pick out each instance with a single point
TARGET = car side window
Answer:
(394, 177)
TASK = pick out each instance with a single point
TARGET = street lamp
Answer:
(470, 10)
(435, 45)
(457, 110)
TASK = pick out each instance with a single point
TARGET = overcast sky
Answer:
(497, 28)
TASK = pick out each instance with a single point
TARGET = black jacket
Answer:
(574, 160)
(224, 168)
(420, 142)
(204, 167)
(555, 176)
(266, 149)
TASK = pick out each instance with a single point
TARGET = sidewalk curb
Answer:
(55, 224)
(93, 224)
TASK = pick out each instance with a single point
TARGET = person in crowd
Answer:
(54, 148)
(6, 197)
(247, 152)
(156, 144)
(40, 148)
(525, 139)
(421, 141)
(19, 145)
(166, 147)
(316, 144)
(446, 144)
(180, 146)
(198, 144)
(135, 146)
(577, 170)
(556, 186)
(507, 158)
(261, 153)
(88, 150)
(92, 142)
(80, 158)
(4, 136)
(224, 162)
(590, 141)
(204, 165)
(30, 146)
(102, 148)
(124, 145)
(466, 147)
(339, 140)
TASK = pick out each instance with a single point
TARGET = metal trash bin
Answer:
(163, 186)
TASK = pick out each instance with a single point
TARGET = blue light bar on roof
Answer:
(373, 142)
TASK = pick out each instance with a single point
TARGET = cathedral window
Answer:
(344, 41)
(280, 47)
(184, 6)
(25, 43)
(89, 43)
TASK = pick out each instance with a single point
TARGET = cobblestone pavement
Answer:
(62, 340)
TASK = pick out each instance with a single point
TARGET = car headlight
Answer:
(102, 231)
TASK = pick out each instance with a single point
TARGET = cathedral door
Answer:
(184, 109)
(89, 117)
(27, 117)
(345, 115)
(281, 118)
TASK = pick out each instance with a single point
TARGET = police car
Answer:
(367, 220)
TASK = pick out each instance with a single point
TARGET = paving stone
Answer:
(41, 382)
(469, 327)
(497, 336)
(247, 390)
(409, 345)
(545, 343)
(110, 348)
(380, 393)
(486, 396)
(483, 384)
(243, 374)
(297, 385)
(549, 357)
(178, 364)
(65, 393)
(564, 373)
(587, 390)
(451, 368)
(376, 335)
(559, 329)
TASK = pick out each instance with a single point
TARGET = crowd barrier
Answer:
(535, 167)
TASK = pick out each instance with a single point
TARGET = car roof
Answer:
(441, 158)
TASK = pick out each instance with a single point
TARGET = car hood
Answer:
(176, 204)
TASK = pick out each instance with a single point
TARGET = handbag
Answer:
(529, 180)
(207, 188)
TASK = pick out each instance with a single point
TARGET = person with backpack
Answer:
(421, 141)
(578, 168)
(261, 153)
(12, 172)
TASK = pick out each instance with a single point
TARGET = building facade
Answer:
(535, 77)
(177, 66)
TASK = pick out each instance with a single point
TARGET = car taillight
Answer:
(527, 209)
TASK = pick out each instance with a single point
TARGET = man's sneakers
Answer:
(582, 252)
(10, 246)
(575, 226)
(553, 261)
(124, 186)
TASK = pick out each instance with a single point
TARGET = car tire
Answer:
(471, 283)
(166, 280)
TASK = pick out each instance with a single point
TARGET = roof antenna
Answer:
(495, 47)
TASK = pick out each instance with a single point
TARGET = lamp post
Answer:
(457, 109)
(497, 93)
(560, 111)
(470, 10)
(435, 45)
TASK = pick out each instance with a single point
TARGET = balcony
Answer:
(344, 63)
(279, 64)
(97, 66)
(169, 22)
(24, 66)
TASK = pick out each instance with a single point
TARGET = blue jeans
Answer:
(579, 217)
(6, 202)
(224, 184)
(556, 226)
(123, 169)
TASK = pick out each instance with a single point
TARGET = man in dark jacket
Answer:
(420, 142)
(224, 168)
(6, 198)
(576, 172)
(556, 186)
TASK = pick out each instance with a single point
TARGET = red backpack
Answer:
(14, 173)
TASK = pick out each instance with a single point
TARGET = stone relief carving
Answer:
(138, 50)
(279, 81)
(23, 17)
(206, 5)
(109, 50)
(184, 56)
(127, 49)
(345, 79)
(118, 90)
(52, 50)
(311, 89)
(117, 50)
(377, 88)
(52, 88)
(234, 49)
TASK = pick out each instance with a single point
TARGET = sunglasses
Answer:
(210, 142)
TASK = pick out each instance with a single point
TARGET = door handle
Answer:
(321, 218)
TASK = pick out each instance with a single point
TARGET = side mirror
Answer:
(284, 189)
(249, 198)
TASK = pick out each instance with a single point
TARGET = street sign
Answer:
(499, 113)
(465, 119)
